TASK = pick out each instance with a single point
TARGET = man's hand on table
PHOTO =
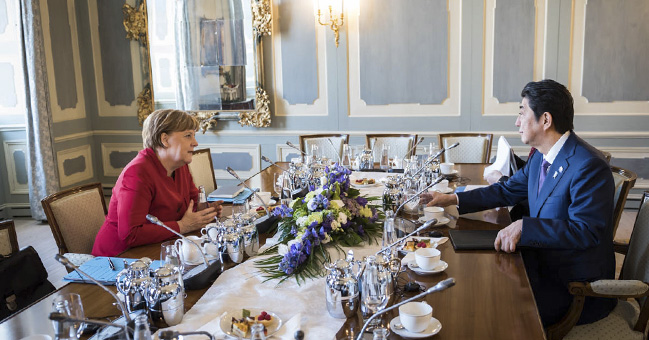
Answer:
(195, 220)
(508, 238)
(437, 199)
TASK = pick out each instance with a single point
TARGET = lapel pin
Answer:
(560, 169)
(555, 174)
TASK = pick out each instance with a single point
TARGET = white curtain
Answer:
(43, 177)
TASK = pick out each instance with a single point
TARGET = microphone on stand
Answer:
(155, 220)
(64, 261)
(414, 146)
(234, 174)
(336, 150)
(60, 318)
(295, 147)
(439, 179)
(200, 276)
(450, 282)
(420, 229)
(432, 158)
(266, 159)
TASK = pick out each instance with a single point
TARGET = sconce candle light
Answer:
(335, 17)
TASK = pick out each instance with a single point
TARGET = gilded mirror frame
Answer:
(136, 25)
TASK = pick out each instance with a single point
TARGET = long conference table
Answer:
(492, 298)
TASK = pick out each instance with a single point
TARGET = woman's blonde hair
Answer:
(165, 121)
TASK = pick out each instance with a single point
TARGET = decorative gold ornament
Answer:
(261, 116)
(261, 17)
(135, 22)
(144, 104)
(335, 20)
(206, 119)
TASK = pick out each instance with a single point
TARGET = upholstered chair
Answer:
(400, 144)
(75, 216)
(329, 145)
(473, 148)
(629, 318)
(8, 238)
(202, 170)
(624, 181)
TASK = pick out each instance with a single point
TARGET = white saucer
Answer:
(441, 221)
(433, 328)
(440, 268)
(446, 190)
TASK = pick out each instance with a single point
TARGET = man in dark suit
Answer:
(568, 235)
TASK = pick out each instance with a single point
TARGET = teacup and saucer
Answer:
(415, 321)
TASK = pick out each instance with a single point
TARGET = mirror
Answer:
(204, 57)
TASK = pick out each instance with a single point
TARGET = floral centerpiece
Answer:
(332, 215)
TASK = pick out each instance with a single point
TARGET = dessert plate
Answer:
(226, 321)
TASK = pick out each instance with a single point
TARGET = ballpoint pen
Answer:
(111, 264)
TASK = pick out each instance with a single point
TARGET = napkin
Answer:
(504, 159)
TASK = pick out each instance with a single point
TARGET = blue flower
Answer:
(282, 211)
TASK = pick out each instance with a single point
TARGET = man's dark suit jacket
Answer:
(568, 235)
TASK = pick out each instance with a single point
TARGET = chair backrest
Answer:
(325, 148)
(8, 238)
(75, 216)
(636, 261)
(624, 181)
(400, 144)
(202, 170)
(473, 148)
(607, 155)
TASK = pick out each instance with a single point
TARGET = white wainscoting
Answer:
(10, 147)
(254, 150)
(63, 155)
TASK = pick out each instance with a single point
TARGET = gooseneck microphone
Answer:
(234, 174)
(439, 179)
(157, 221)
(64, 261)
(414, 146)
(266, 159)
(295, 147)
(450, 282)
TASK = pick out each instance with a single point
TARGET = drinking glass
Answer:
(287, 189)
(374, 292)
(389, 234)
(171, 259)
(313, 154)
(69, 305)
(346, 160)
(239, 209)
(385, 160)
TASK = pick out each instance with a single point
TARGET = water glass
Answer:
(287, 190)
(384, 161)
(389, 234)
(69, 305)
(170, 258)
(346, 158)
(277, 183)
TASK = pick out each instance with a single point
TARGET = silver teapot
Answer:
(392, 195)
(377, 284)
(165, 298)
(342, 290)
(132, 282)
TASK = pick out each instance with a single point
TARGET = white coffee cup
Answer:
(447, 168)
(189, 253)
(433, 212)
(441, 186)
(427, 258)
(211, 231)
(415, 316)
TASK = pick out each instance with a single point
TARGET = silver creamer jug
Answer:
(342, 291)
(132, 283)
(166, 298)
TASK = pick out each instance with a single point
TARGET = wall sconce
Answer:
(330, 13)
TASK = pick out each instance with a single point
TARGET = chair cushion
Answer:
(79, 217)
(618, 325)
(78, 259)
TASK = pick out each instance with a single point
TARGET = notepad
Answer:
(473, 239)
(241, 197)
(228, 191)
(100, 270)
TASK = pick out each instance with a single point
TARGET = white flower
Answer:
(327, 238)
(336, 204)
(335, 225)
(282, 249)
(342, 218)
(302, 221)
(292, 242)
